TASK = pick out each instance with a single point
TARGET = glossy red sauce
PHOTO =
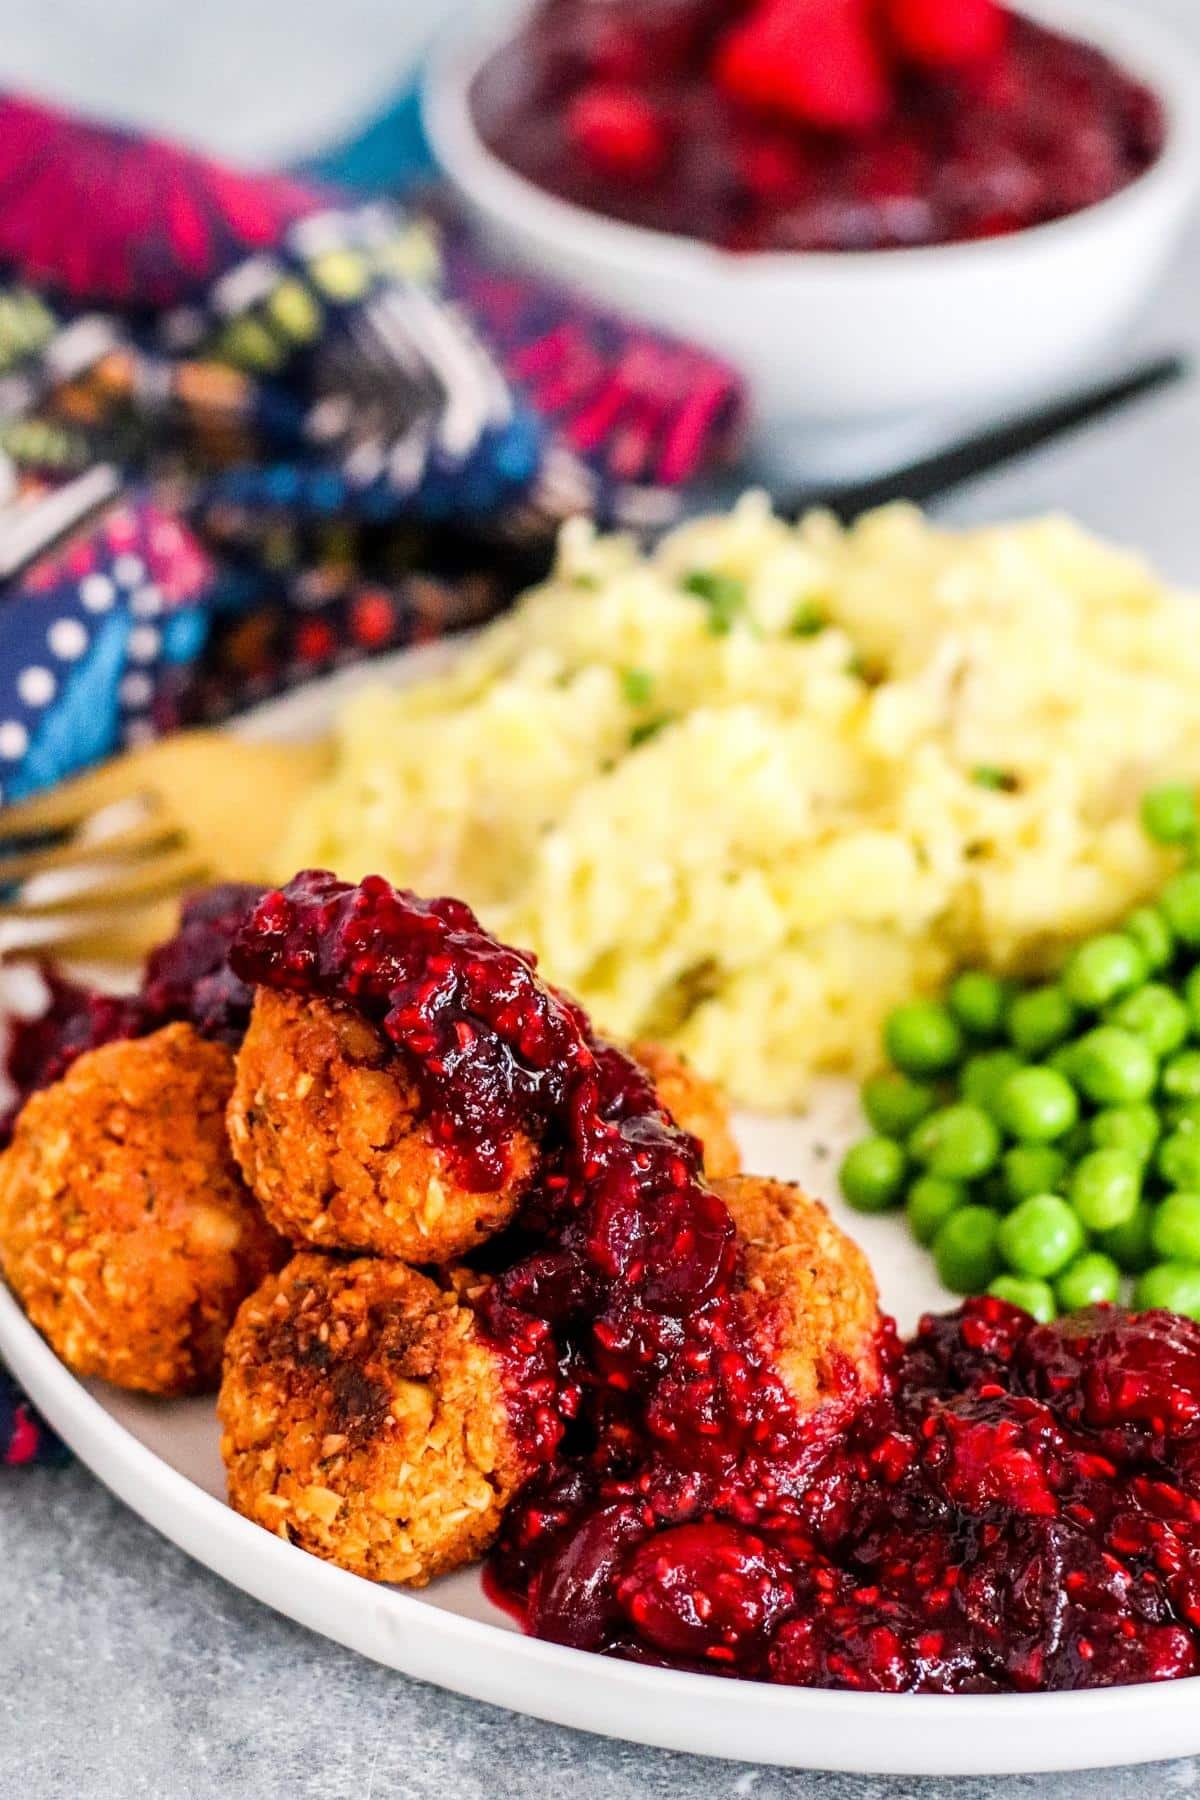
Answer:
(626, 1289)
(1015, 1507)
(814, 124)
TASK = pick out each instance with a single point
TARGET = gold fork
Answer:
(97, 865)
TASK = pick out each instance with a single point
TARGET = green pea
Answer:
(978, 1001)
(1181, 1076)
(1169, 813)
(1175, 1232)
(1129, 1244)
(1040, 1019)
(1037, 1105)
(1184, 1115)
(1102, 969)
(984, 1074)
(1133, 1128)
(958, 1143)
(930, 1203)
(964, 1250)
(1113, 1066)
(1036, 1297)
(1106, 1188)
(1156, 1014)
(1041, 1236)
(1062, 1060)
(1180, 905)
(1173, 1286)
(872, 1174)
(1178, 1161)
(1032, 1169)
(1091, 1280)
(894, 1104)
(1152, 935)
(923, 1038)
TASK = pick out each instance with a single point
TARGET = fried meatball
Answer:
(125, 1230)
(326, 1129)
(809, 1289)
(364, 1419)
(695, 1104)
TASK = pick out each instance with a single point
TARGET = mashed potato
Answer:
(744, 795)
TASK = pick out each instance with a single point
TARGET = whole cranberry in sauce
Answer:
(814, 124)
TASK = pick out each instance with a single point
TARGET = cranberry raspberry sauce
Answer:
(814, 124)
(1011, 1507)
(1015, 1506)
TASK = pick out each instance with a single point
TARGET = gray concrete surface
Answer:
(125, 1670)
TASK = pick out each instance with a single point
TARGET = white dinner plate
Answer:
(162, 1458)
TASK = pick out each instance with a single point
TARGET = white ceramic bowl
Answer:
(852, 340)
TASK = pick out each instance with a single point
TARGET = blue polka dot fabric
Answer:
(87, 634)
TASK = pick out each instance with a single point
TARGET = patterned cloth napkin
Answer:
(368, 430)
(254, 427)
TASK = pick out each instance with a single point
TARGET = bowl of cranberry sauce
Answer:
(871, 206)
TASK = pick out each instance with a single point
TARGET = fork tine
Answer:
(105, 889)
(109, 942)
(65, 807)
(153, 833)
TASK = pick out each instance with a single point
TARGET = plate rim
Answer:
(804, 1728)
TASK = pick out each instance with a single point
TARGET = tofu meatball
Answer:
(126, 1231)
(364, 1419)
(326, 1129)
(809, 1290)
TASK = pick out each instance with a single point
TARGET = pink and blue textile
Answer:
(90, 638)
(270, 358)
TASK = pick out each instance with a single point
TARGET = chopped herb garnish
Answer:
(809, 620)
(637, 686)
(722, 594)
(1001, 781)
(856, 666)
(641, 734)
(583, 578)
